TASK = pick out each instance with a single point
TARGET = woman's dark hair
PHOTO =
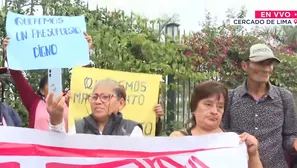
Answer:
(43, 81)
(206, 90)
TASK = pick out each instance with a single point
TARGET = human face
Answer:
(209, 112)
(260, 71)
(104, 102)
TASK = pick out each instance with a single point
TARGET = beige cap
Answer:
(261, 52)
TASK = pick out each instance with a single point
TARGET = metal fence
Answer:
(176, 104)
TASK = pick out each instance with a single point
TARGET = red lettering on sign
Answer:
(117, 163)
(193, 161)
(199, 162)
(16, 149)
(160, 160)
(10, 165)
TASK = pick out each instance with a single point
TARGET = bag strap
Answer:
(186, 132)
(183, 132)
(232, 95)
(282, 97)
(230, 101)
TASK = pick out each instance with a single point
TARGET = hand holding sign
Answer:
(46, 42)
(251, 142)
(4, 45)
(89, 39)
(6, 42)
(159, 111)
(67, 95)
(55, 108)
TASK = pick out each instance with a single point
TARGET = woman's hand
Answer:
(251, 142)
(159, 111)
(55, 108)
(67, 96)
(89, 39)
(4, 46)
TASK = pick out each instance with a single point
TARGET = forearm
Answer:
(57, 128)
(255, 162)
(288, 143)
(27, 94)
(158, 127)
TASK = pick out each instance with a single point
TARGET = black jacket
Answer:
(116, 125)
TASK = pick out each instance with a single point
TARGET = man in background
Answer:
(266, 111)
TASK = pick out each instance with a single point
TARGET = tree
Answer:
(121, 42)
(222, 49)
(284, 35)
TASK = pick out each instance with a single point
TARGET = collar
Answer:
(272, 92)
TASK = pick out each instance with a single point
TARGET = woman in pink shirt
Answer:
(35, 102)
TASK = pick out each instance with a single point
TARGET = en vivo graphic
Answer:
(280, 14)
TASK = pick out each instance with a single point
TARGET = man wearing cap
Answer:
(266, 111)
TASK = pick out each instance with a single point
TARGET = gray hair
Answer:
(118, 89)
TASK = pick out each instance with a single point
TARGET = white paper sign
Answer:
(28, 148)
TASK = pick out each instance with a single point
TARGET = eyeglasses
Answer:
(104, 97)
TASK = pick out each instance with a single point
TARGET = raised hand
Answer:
(67, 96)
(89, 39)
(4, 45)
(55, 108)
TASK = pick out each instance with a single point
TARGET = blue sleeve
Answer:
(15, 117)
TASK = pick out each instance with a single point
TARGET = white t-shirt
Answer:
(61, 128)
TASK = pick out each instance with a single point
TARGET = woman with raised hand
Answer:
(107, 100)
(157, 109)
(33, 101)
(208, 103)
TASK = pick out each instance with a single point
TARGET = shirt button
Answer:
(256, 128)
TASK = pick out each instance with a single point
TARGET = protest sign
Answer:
(21, 149)
(45, 42)
(142, 95)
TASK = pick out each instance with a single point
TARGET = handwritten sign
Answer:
(142, 95)
(45, 42)
(21, 149)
